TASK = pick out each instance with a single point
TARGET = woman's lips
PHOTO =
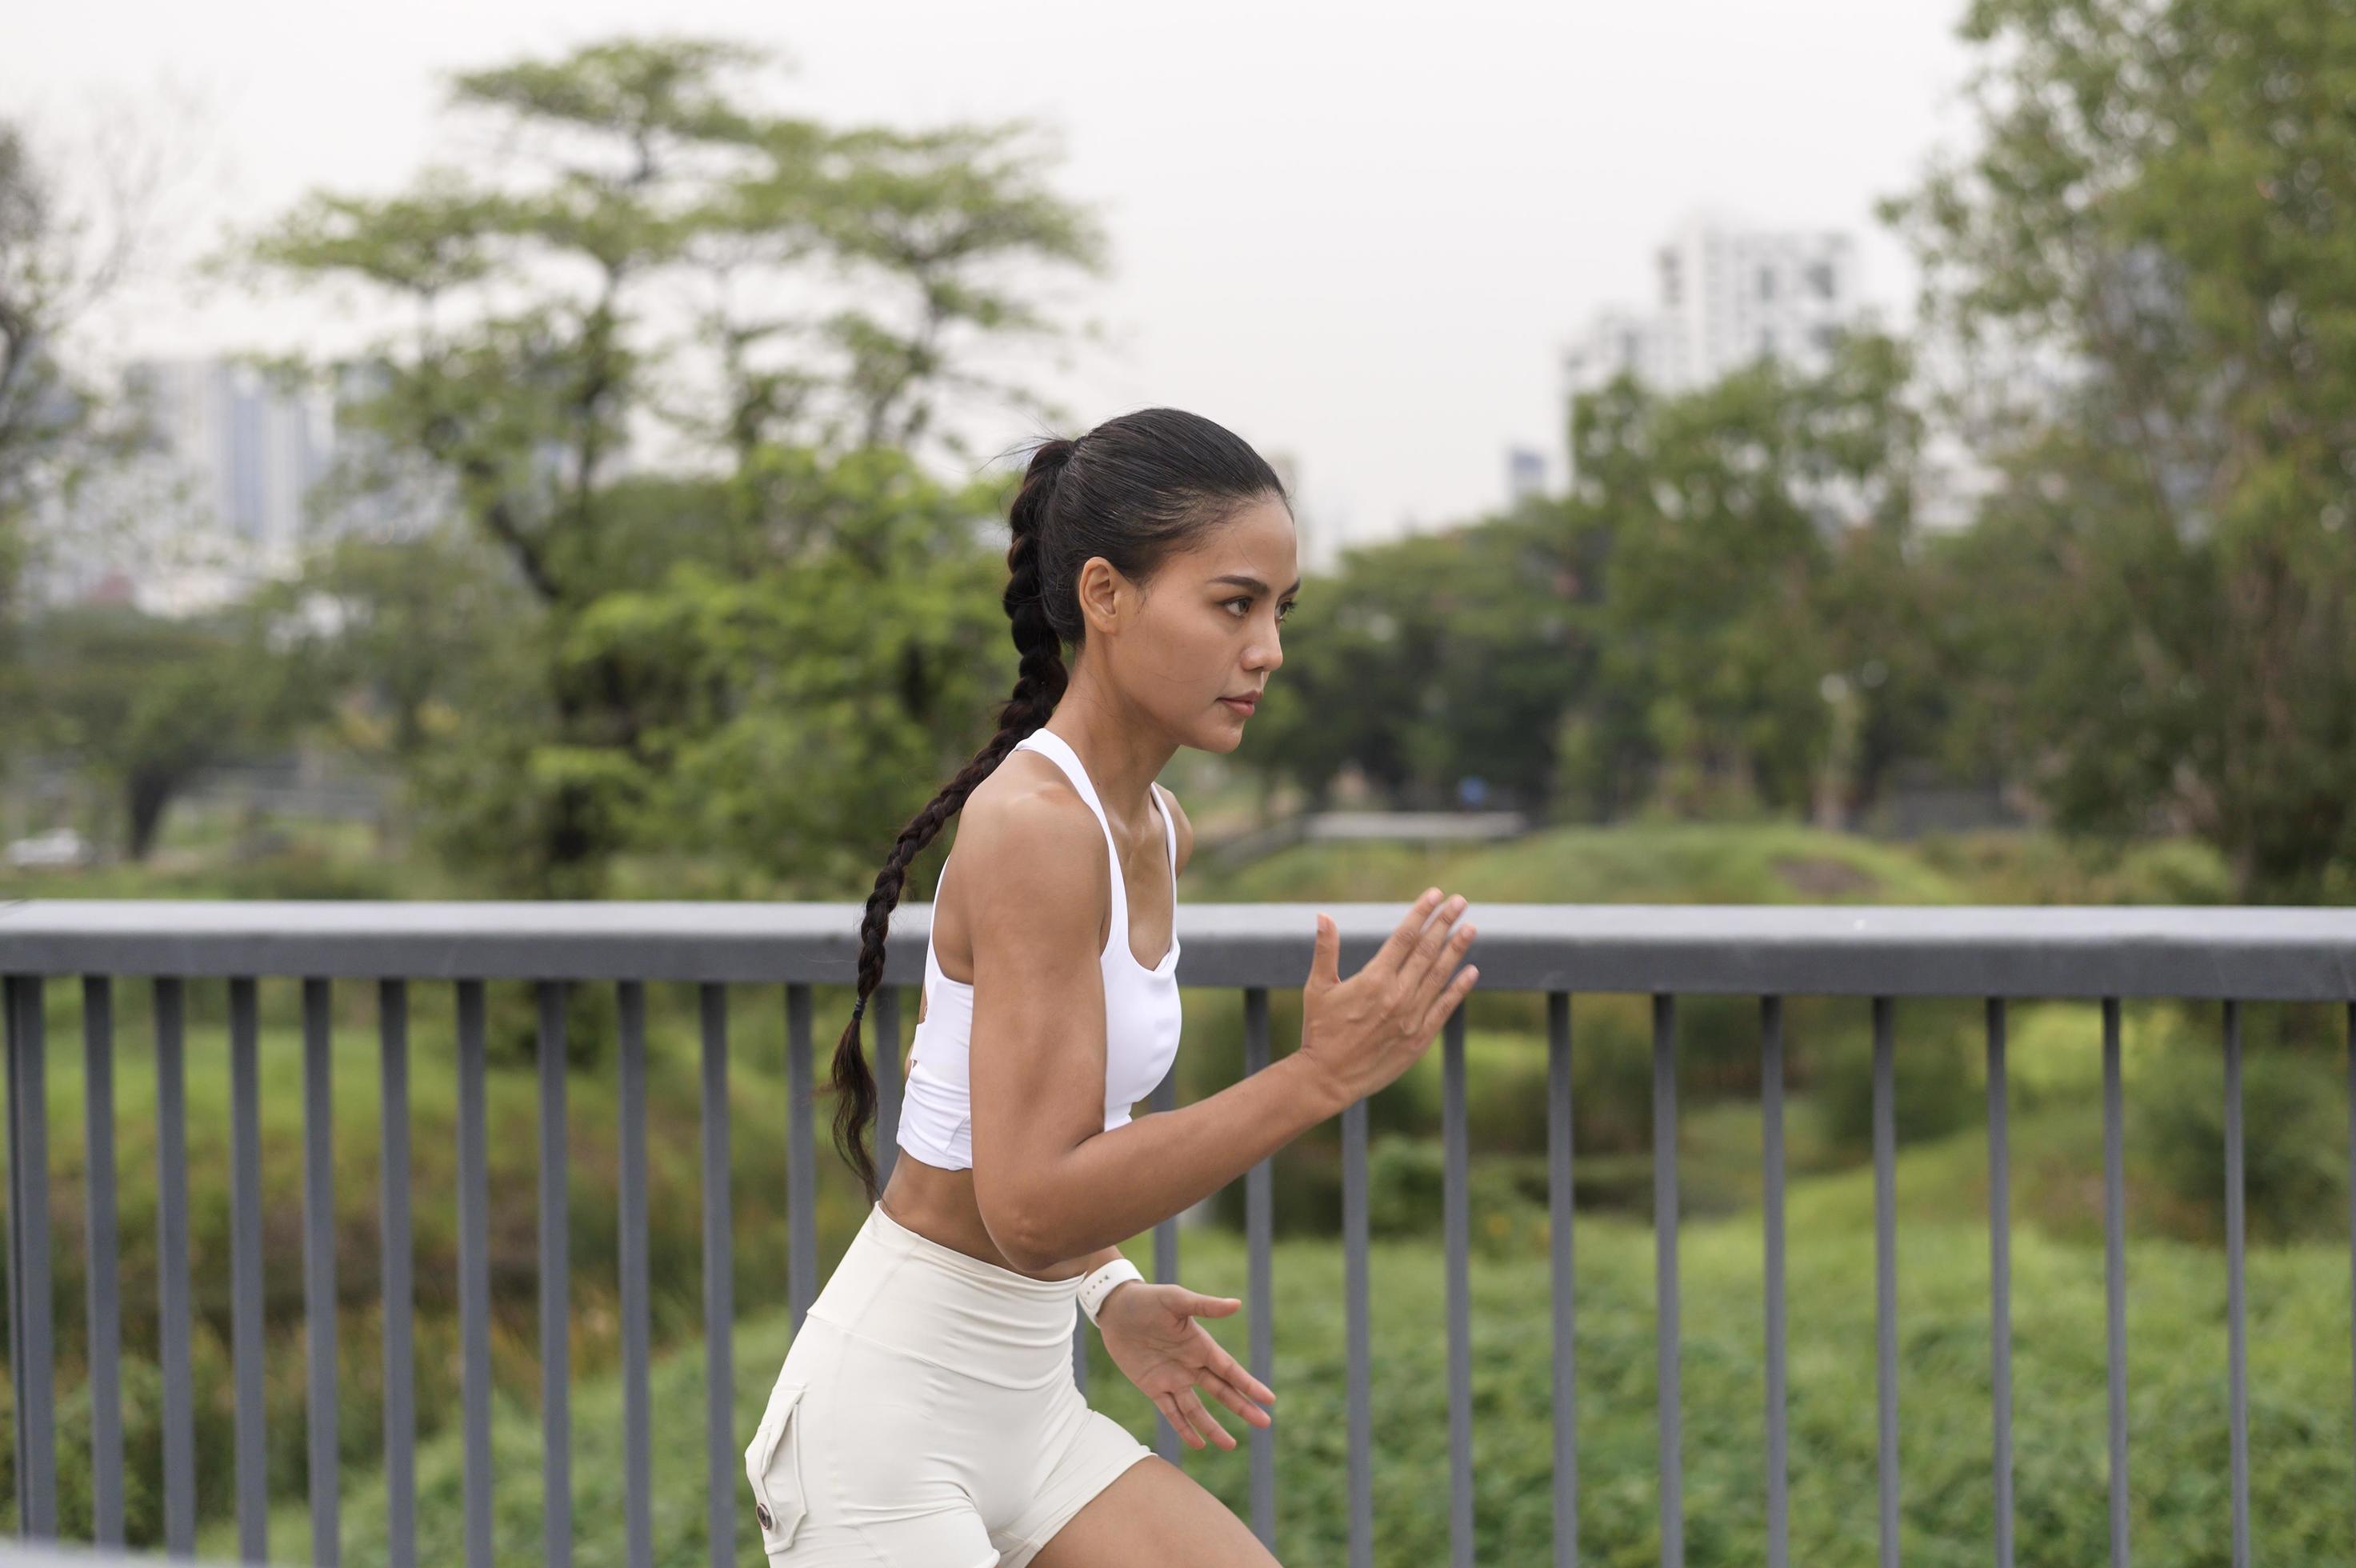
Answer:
(1240, 705)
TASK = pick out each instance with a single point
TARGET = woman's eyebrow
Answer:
(1254, 584)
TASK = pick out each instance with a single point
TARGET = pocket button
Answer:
(772, 1465)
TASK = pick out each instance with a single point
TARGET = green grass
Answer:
(2299, 1380)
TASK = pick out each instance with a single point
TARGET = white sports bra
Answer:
(1141, 1011)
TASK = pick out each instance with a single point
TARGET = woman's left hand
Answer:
(1151, 1334)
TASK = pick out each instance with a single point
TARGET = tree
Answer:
(61, 254)
(2148, 263)
(144, 704)
(1750, 546)
(655, 174)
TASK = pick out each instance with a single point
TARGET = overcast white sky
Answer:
(1356, 233)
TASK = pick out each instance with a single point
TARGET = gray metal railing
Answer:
(2230, 955)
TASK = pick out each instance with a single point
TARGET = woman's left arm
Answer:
(1149, 1331)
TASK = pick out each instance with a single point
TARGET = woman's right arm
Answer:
(1052, 1183)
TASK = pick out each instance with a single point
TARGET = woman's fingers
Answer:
(1225, 1391)
(1224, 1365)
(1435, 950)
(1205, 1419)
(1167, 1405)
(1434, 979)
(1395, 948)
(1437, 1014)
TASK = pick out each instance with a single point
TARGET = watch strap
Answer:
(1098, 1284)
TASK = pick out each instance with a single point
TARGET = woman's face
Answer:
(1208, 629)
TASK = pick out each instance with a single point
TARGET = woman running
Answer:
(927, 1415)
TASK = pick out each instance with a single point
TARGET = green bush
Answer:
(1506, 1082)
(1406, 1186)
(1935, 1088)
(2293, 1133)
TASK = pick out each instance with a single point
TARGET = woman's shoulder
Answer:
(1032, 868)
(1026, 810)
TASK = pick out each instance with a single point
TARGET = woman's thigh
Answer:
(1154, 1501)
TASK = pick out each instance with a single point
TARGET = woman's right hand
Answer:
(1362, 1033)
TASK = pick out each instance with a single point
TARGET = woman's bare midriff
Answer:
(940, 1206)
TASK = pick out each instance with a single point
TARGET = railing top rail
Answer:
(70, 1554)
(2275, 952)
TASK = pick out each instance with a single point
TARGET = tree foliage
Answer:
(630, 172)
(2151, 265)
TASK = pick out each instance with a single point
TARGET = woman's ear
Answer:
(1104, 595)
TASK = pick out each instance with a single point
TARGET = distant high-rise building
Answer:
(227, 491)
(248, 450)
(1727, 293)
(215, 497)
(1643, 343)
(1524, 474)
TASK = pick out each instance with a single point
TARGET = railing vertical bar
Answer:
(1885, 1273)
(1259, 1233)
(12, 1015)
(555, 1281)
(801, 1160)
(886, 1048)
(637, 1448)
(245, 1269)
(474, 1274)
(32, 1338)
(1164, 1099)
(1358, 1351)
(2114, 1278)
(1666, 1350)
(1457, 1227)
(2000, 1276)
(719, 1291)
(172, 1301)
(1561, 1197)
(1771, 1082)
(319, 1268)
(2236, 1322)
(2351, 1195)
(103, 1316)
(400, 1287)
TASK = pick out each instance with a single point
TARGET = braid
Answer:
(1038, 687)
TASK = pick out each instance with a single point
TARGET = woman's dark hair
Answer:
(1135, 490)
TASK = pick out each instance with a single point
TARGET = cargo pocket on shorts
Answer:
(774, 1465)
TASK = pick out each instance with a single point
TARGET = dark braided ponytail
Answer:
(1134, 490)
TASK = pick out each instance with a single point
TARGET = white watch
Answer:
(1097, 1285)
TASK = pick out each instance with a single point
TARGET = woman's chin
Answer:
(1222, 738)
